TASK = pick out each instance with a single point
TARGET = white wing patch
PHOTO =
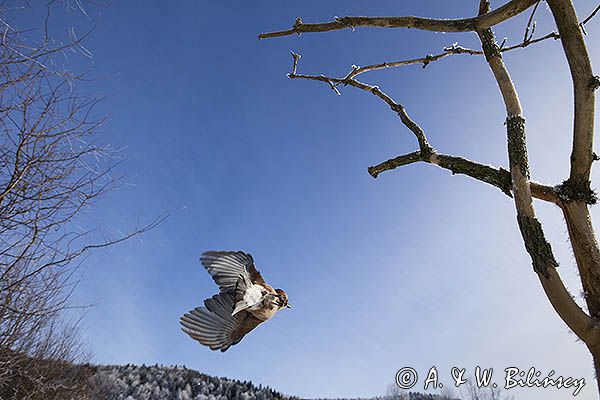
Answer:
(252, 296)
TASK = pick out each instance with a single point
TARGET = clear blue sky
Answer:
(417, 268)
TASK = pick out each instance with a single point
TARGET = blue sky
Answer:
(417, 268)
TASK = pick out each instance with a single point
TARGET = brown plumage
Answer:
(245, 301)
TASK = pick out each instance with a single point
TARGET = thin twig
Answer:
(589, 17)
(530, 24)
(455, 48)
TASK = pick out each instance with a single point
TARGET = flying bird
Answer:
(244, 301)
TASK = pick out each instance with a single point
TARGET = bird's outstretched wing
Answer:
(214, 326)
(226, 267)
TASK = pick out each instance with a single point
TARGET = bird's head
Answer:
(282, 299)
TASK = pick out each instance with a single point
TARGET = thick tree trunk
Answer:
(596, 356)
(581, 231)
(586, 251)
(587, 255)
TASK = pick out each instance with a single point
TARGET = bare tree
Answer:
(52, 170)
(470, 391)
(573, 196)
(447, 393)
(393, 392)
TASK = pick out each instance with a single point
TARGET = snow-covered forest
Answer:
(131, 382)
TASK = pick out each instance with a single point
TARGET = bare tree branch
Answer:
(447, 51)
(536, 244)
(498, 177)
(575, 49)
(499, 15)
(575, 208)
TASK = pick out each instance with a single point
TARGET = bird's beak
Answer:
(288, 306)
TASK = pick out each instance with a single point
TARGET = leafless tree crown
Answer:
(52, 168)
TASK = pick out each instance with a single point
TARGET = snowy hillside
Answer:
(131, 382)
